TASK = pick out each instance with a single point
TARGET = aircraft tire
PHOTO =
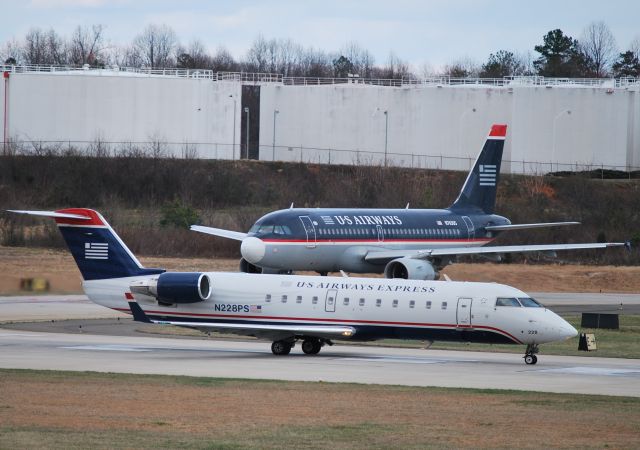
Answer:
(311, 346)
(280, 348)
(530, 359)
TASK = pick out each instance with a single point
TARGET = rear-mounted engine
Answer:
(170, 287)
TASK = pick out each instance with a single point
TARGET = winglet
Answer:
(138, 314)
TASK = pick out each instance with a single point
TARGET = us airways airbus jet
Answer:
(401, 243)
(311, 309)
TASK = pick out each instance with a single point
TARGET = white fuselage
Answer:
(375, 307)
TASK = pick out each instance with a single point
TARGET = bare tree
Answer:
(34, 50)
(314, 63)
(361, 58)
(193, 57)
(395, 68)
(86, 45)
(598, 47)
(154, 47)
(258, 55)
(635, 46)
(223, 61)
(11, 52)
(462, 68)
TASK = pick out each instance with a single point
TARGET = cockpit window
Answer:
(281, 229)
(270, 229)
(529, 302)
(507, 301)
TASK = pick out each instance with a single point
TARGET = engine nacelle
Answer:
(410, 269)
(175, 287)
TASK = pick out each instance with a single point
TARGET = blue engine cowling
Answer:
(183, 287)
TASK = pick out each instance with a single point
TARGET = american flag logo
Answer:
(487, 175)
(255, 308)
(328, 220)
(438, 222)
(94, 250)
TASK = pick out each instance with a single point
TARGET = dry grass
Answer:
(59, 268)
(83, 410)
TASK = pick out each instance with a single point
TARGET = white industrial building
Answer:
(554, 124)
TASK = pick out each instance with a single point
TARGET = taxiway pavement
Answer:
(341, 363)
(106, 346)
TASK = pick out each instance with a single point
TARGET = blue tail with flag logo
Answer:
(478, 194)
(97, 249)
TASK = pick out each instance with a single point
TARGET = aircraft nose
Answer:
(252, 249)
(569, 331)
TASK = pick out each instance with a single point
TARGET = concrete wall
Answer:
(571, 127)
(426, 126)
(125, 109)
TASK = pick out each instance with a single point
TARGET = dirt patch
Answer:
(314, 415)
(60, 270)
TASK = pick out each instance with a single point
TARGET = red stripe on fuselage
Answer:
(333, 321)
(375, 241)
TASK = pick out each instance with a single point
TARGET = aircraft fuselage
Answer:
(327, 240)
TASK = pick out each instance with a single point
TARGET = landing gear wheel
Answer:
(311, 346)
(281, 348)
(530, 357)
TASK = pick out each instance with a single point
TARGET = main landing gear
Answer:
(310, 346)
(530, 357)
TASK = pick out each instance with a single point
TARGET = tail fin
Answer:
(98, 250)
(479, 190)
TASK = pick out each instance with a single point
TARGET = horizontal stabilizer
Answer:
(384, 256)
(219, 232)
(51, 214)
(525, 226)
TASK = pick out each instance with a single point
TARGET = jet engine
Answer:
(411, 269)
(175, 287)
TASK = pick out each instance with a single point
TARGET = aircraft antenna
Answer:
(291, 206)
(344, 275)
(407, 207)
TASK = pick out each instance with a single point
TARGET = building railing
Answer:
(250, 77)
(299, 154)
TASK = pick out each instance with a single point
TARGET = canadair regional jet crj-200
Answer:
(401, 243)
(312, 309)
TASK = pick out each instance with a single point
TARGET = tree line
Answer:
(594, 55)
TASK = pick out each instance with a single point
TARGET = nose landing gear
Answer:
(530, 357)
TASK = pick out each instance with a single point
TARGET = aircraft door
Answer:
(463, 315)
(380, 233)
(470, 228)
(310, 230)
(330, 301)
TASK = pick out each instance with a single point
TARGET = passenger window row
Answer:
(392, 232)
(361, 302)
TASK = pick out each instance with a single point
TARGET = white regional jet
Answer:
(315, 310)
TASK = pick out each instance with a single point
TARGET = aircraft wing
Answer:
(313, 330)
(526, 226)
(219, 232)
(388, 255)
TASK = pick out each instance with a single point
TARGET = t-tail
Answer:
(97, 249)
(478, 193)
